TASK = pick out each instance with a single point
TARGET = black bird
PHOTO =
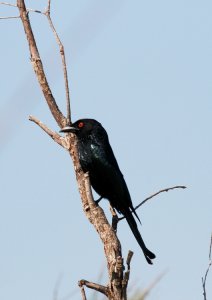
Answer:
(96, 157)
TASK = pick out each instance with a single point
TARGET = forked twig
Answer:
(204, 279)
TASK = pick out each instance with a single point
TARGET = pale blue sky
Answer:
(143, 69)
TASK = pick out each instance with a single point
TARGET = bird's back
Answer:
(97, 158)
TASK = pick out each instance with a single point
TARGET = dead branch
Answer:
(62, 53)
(8, 4)
(28, 9)
(94, 286)
(204, 279)
(161, 191)
(54, 135)
(115, 218)
(38, 66)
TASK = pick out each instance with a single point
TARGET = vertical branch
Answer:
(62, 53)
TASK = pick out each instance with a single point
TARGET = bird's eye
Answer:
(81, 124)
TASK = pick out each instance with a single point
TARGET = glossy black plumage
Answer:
(97, 158)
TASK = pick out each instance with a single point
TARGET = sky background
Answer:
(143, 69)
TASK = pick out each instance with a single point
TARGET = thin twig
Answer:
(62, 53)
(54, 135)
(8, 4)
(28, 9)
(204, 279)
(94, 286)
(150, 197)
(13, 17)
(161, 191)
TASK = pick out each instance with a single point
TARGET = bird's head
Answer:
(82, 127)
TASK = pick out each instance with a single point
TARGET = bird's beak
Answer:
(69, 129)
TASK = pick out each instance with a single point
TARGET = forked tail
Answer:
(133, 226)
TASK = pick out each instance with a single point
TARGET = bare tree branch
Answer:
(8, 4)
(28, 9)
(115, 219)
(54, 135)
(161, 191)
(204, 279)
(38, 66)
(62, 53)
(94, 286)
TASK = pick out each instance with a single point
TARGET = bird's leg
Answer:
(98, 200)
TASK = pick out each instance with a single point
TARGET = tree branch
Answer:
(161, 191)
(38, 66)
(54, 135)
(12, 17)
(116, 219)
(28, 9)
(8, 4)
(62, 53)
(94, 286)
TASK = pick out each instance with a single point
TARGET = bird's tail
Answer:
(133, 226)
